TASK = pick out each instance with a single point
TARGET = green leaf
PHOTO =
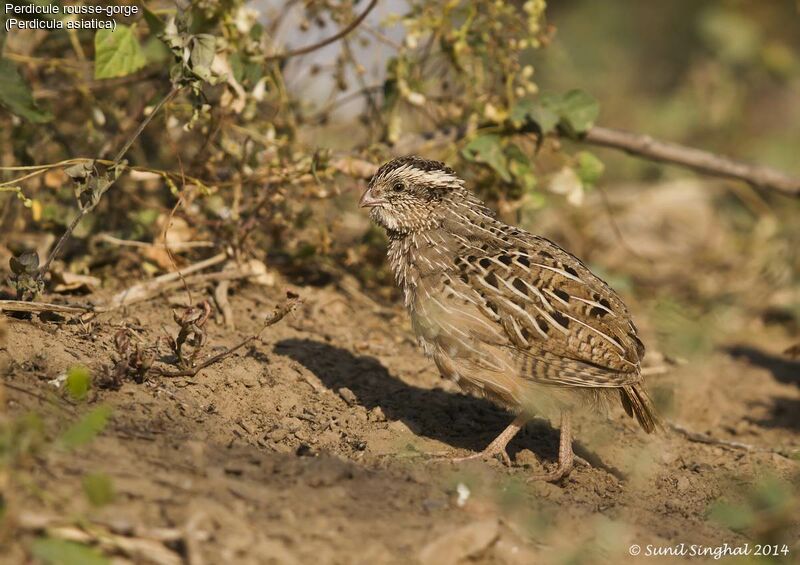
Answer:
(245, 71)
(98, 488)
(86, 429)
(520, 166)
(54, 551)
(527, 110)
(117, 53)
(78, 382)
(204, 47)
(16, 97)
(589, 168)
(577, 110)
(487, 149)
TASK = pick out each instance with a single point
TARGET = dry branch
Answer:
(637, 144)
(697, 159)
(146, 290)
(23, 306)
(174, 246)
(152, 291)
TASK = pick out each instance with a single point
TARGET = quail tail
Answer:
(637, 403)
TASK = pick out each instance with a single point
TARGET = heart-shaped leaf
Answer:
(577, 110)
(117, 53)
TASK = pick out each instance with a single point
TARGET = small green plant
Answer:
(25, 440)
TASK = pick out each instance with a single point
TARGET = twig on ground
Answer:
(22, 306)
(145, 290)
(176, 246)
(332, 39)
(142, 291)
(158, 289)
(280, 312)
(698, 437)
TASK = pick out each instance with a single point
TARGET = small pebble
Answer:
(278, 435)
(377, 415)
(292, 424)
(348, 396)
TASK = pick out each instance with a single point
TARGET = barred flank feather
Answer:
(636, 402)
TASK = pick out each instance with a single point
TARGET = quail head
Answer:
(506, 314)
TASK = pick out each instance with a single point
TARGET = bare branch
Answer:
(697, 159)
(636, 144)
(319, 45)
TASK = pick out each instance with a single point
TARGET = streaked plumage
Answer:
(506, 314)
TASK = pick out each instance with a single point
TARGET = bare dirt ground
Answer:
(307, 446)
(316, 442)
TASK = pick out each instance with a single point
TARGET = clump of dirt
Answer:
(316, 442)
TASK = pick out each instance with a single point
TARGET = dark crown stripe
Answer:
(419, 163)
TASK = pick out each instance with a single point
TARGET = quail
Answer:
(506, 314)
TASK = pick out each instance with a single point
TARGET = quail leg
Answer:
(566, 457)
(498, 446)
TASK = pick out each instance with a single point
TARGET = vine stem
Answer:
(45, 268)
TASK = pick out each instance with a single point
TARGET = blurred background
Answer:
(270, 132)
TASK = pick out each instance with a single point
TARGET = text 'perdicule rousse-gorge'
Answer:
(108, 11)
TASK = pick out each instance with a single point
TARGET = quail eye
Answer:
(398, 187)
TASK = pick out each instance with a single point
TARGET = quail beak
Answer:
(369, 201)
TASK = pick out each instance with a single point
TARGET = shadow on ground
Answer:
(459, 420)
(785, 412)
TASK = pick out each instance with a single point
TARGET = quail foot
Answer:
(506, 314)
